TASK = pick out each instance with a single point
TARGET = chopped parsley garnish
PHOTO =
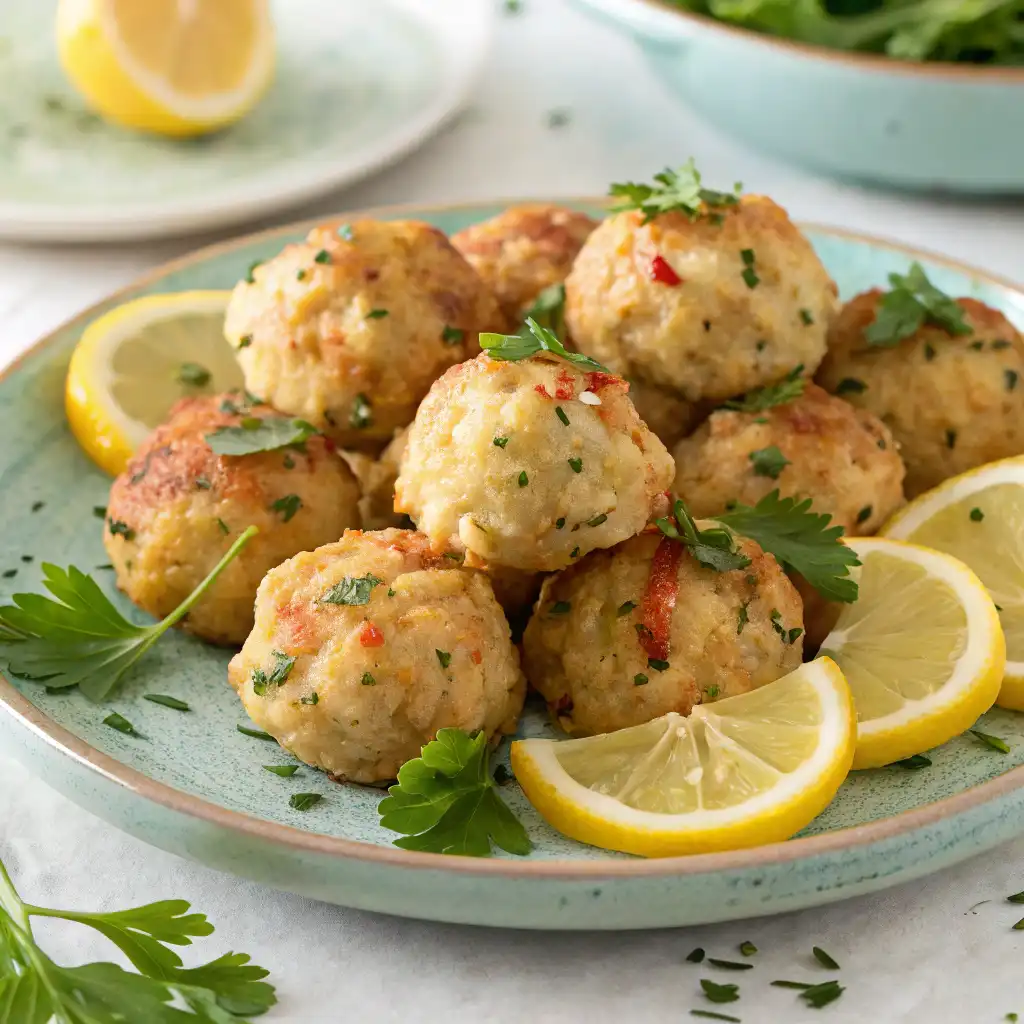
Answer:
(747, 948)
(719, 993)
(714, 548)
(288, 461)
(625, 608)
(300, 274)
(249, 279)
(864, 514)
(452, 335)
(166, 701)
(768, 462)
(345, 232)
(534, 338)
(977, 515)
(657, 664)
(913, 763)
(446, 801)
(560, 523)
(713, 1015)
(1017, 897)
(245, 341)
(202, 484)
(500, 442)
(806, 317)
(711, 692)
(598, 520)
(801, 540)
(118, 528)
(352, 590)
(850, 386)
(786, 390)
(99, 511)
(561, 608)
(120, 723)
(548, 310)
(1011, 377)
(376, 314)
(284, 771)
(824, 959)
(640, 679)
(749, 274)
(256, 734)
(799, 985)
(821, 995)
(742, 618)
(256, 434)
(577, 465)
(367, 679)
(950, 438)
(287, 506)
(9, 573)
(523, 478)
(303, 801)
(193, 375)
(729, 965)
(323, 256)
(575, 553)
(312, 700)
(912, 302)
(224, 528)
(38, 505)
(513, 7)
(444, 658)
(560, 413)
(558, 118)
(673, 190)
(695, 956)
(361, 415)
(991, 741)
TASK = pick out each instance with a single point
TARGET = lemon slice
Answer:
(978, 517)
(921, 648)
(739, 772)
(133, 363)
(175, 67)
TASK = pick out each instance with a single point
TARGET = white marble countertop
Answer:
(917, 953)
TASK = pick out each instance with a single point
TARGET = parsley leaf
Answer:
(81, 638)
(447, 802)
(678, 189)
(352, 590)
(713, 548)
(361, 415)
(193, 375)
(786, 390)
(265, 435)
(34, 989)
(534, 339)
(287, 506)
(548, 310)
(768, 462)
(801, 540)
(912, 302)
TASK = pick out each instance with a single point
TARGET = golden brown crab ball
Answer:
(710, 307)
(816, 447)
(365, 648)
(667, 414)
(524, 250)
(530, 464)
(635, 632)
(349, 328)
(177, 508)
(952, 402)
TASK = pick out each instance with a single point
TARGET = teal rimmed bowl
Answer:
(930, 126)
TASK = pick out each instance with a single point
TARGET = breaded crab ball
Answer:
(951, 401)
(177, 508)
(815, 446)
(632, 633)
(710, 307)
(524, 250)
(365, 648)
(530, 464)
(349, 328)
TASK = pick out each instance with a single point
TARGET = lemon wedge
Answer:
(921, 648)
(134, 362)
(174, 67)
(978, 517)
(743, 771)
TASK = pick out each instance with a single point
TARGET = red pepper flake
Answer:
(541, 390)
(330, 445)
(566, 385)
(370, 635)
(476, 657)
(660, 599)
(663, 273)
(596, 381)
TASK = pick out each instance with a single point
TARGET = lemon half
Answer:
(921, 649)
(978, 517)
(740, 772)
(133, 363)
(175, 67)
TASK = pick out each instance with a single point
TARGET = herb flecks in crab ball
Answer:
(365, 648)
(524, 250)
(711, 307)
(349, 328)
(814, 446)
(178, 507)
(530, 464)
(643, 629)
(952, 401)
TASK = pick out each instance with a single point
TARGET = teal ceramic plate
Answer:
(194, 785)
(358, 85)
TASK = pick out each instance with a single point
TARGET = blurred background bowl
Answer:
(928, 125)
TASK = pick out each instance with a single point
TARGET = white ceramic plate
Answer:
(359, 84)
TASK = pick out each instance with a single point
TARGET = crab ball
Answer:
(530, 464)
(632, 633)
(365, 648)
(349, 328)
(177, 508)
(524, 250)
(952, 402)
(710, 307)
(816, 447)
(665, 411)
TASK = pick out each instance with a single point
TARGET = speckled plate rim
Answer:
(64, 742)
(261, 196)
(654, 15)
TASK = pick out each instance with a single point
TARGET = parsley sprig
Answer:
(548, 309)
(913, 301)
(786, 390)
(534, 339)
(801, 540)
(81, 639)
(446, 801)
(714, 548)
(35, 990)
(678, 190)
(256, 434)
